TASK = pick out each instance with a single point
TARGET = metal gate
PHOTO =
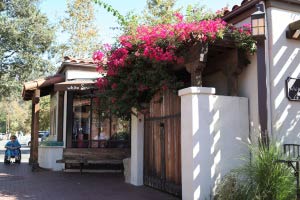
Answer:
(162, 156)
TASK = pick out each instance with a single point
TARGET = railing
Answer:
(291, 150)
(101, 144)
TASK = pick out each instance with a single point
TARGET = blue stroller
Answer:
(12, 151)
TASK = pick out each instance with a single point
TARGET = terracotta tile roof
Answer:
(239, 9)
(244, 4)
(226, 12)
(247, 5)
(78, 60)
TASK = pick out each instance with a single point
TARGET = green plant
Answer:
(229, 188)
(120, 136)
(264, 178)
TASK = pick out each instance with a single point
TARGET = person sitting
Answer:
(12, 147)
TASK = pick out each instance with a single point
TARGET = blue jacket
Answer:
(13, 144)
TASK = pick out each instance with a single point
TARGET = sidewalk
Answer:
(17, 182)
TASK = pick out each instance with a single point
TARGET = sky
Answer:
(55, 10)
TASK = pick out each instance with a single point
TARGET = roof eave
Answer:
(71, 64)
(240, 10)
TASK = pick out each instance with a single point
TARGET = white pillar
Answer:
(190, 134)
(137, 149)
(65, 119)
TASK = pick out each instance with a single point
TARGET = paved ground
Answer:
(17, 182)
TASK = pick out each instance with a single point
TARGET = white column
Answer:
(190, 134)
(137, 149)
(65, 120)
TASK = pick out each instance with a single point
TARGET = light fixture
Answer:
(258, 22)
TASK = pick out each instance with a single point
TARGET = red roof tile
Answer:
(78, 60)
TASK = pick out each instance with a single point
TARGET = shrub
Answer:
(262, 178)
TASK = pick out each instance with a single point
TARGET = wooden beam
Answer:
(44, 84)
(35, 130)
(291, 35)
(294, 26)
(294, 31)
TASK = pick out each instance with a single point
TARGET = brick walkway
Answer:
(17, 182)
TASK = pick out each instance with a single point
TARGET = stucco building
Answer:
(235, 104)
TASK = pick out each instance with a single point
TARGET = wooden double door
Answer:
(162, 152)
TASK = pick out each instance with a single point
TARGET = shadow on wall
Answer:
(219, 142)
(284, 63)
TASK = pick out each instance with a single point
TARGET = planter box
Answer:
(48, 156)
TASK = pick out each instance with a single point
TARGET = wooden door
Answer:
(162, 156)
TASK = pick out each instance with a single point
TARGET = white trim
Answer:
(197, 90)
(65, 120)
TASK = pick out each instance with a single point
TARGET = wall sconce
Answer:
(258, 22)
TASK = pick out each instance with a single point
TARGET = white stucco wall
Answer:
(78, 74)
(248, 88)
(214, 130)
(284, 59)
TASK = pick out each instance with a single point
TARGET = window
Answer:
(95, 128)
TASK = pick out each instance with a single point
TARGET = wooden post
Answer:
(198, 63)
(70, 117)
(35, 130)
(230, 70)
(234, 61)
(60, 117)
(262, 91)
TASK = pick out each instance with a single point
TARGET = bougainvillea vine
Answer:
(141, 64)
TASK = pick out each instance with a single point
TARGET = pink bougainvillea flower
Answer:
(111, 72)
(107, 47)
(100, 68)
(179, 17)
(180, 60)
(113, 100)
(142, 88)
(149, 46)
(137, 54)
(118, 58)
(102, 83)
(164, 87)
(98, 56)
(114, 86)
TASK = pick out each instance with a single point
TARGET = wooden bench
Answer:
(85, 156)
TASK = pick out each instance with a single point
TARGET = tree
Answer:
(79, 24)
(159, 12)
(25, 41)
(15, 116)
(44, 121)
